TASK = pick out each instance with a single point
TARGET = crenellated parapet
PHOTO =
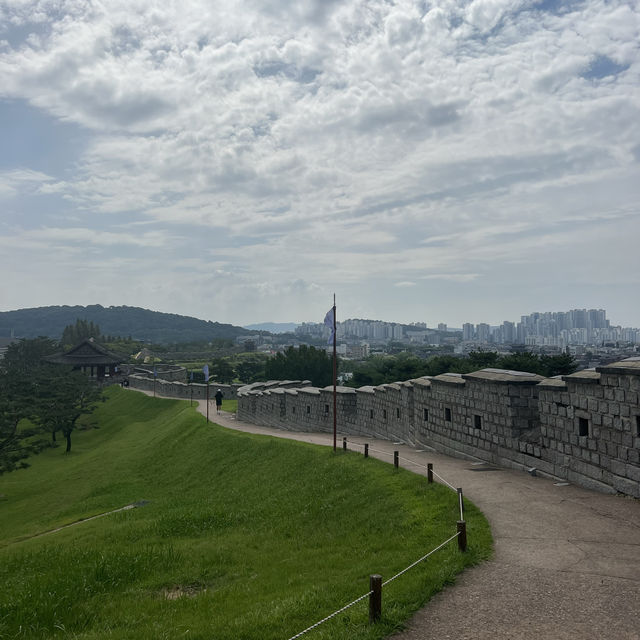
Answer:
(590, 426)
(584, 428)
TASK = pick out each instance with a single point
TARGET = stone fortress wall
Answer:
(171, 382)
(583, 428)
(168, 372)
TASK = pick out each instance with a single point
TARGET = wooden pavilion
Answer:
(90, 357)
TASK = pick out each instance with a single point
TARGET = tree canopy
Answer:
(404, 366)
(81, 330)
(303, 363)
(51, 397)
(63, 395)
(250, 370)
(222, 371)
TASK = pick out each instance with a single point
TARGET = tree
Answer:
(52, 397)
(17, 373)
(303, 363)
(25, 355)
(483, 359)
(81, 330)
(14, 443)
(447, 364)
(525, 361)
(250, 370)
(374, 371)
(63, 398)
(560, 365)
(222, 371)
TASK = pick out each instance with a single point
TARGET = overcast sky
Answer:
(241, 161)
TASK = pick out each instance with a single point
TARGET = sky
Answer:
(242, 161)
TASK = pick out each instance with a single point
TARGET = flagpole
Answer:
(335, 375)
(207, 383)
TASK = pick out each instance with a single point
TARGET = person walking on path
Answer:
(218, 397)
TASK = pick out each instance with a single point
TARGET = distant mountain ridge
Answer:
(140, 324)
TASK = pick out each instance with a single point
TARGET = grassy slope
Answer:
(262, 536)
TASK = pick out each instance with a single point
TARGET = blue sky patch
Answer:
(31, 139)
(602, 67)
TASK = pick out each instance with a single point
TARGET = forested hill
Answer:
(140, 324)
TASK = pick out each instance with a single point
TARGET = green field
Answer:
(243, 536)
(230, 405)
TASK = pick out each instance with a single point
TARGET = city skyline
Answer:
(538, 329)
(603, 320)
(435, 326)
(439, 162)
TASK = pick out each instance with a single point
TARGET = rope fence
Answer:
(424, 557)
(374, 594)
(375, 581)
(331, 615)
(407, 460)
(444, 481)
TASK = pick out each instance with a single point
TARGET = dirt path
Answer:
(566, 563)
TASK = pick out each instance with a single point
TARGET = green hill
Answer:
(140, 324)
(241, 536)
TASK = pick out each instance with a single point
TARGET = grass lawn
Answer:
(243, 536)
(230, 405)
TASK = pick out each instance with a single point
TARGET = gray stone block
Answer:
(632, 471)
(626, 486)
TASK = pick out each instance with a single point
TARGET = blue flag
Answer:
(191, 377)
(328, 320)
(155, 372)
(205, 369)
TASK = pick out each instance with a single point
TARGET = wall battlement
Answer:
(584, 428)
(176, 389)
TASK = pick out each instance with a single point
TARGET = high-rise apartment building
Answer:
(483, 332)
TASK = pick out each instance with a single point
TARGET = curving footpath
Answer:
(566, 563)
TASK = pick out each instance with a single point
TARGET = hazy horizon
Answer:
(450, 326)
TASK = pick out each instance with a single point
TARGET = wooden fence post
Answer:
(462, 535)
(375, 598)
(430, 472)
(344, 444)
(366, 449)
(396, 459)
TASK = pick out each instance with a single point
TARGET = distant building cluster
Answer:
(559, 329)
(373, 330)
(555, 329)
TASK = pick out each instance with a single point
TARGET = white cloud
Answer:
(25, 181)
(352, 140)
